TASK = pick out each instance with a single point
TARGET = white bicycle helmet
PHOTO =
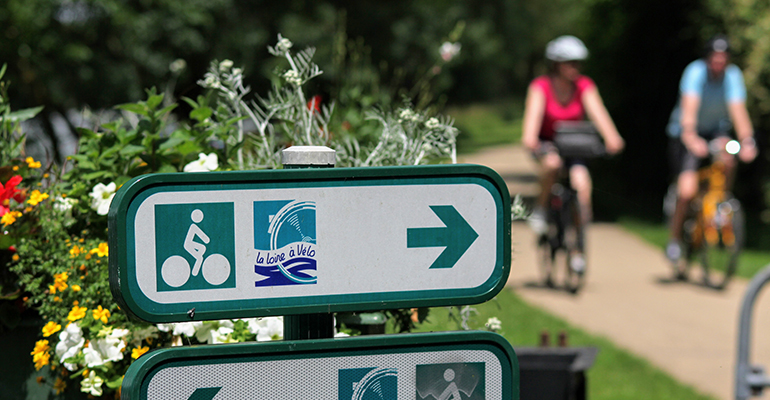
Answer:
(566, 48)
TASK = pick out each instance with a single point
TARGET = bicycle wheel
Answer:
(691, 242)
(546, 256)
(722, 239)
(574, 233)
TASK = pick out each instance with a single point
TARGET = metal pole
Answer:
(749, 380)
(308, 326)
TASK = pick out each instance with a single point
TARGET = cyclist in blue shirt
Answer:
(712, 101)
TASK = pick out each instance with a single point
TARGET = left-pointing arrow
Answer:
(457, 236)
(204, 393)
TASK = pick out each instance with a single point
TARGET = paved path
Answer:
(684, 329)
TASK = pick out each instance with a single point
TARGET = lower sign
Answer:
(442, 366)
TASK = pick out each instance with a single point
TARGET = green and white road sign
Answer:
(258, 243)
(443, 366)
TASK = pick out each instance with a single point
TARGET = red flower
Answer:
(9, 192)
(315, 103)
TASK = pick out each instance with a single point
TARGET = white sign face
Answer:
(219, 247)
(481, 370)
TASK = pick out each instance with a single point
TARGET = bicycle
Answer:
(713, 227)
(566, 233)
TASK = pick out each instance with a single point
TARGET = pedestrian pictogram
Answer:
(453, 381)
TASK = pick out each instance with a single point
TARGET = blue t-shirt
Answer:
(715, 95)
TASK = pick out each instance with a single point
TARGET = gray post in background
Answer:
(308, 326)
(750, 380)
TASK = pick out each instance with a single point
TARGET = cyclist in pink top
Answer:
(564, 95)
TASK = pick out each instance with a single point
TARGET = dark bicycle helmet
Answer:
(718, 42)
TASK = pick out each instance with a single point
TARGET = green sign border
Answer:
(140, 373)
(125, 289)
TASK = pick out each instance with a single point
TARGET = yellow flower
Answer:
(57, 299)
(59, 385)
(40, 354)
(76, 313)
(41, 360)
(75, 251)
(75, 288)
(15, 257)
(75, 303)
(101, 314)
(59, 282)
(36, 197)
(10, 217)
(15, 167)
(27, 209)
(50, 328)
(32, 163)
(102, 251)
(137, 352)
(51, 289)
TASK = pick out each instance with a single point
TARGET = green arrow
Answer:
(457, 236)
(205, 393)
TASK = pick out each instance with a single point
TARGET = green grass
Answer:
(750, 261)
(616, 374)
(487, 124)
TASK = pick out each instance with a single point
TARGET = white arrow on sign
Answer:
(264, 244)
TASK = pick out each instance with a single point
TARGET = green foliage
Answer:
(61, 239)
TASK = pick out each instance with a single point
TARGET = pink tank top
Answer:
(555, 111)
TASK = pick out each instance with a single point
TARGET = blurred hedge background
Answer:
(75, 55)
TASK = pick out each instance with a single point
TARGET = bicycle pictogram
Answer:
(215, 268)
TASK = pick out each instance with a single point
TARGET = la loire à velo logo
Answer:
(195, 244)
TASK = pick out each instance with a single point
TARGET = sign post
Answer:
(201, 246)
(480, 365)
(308, 326)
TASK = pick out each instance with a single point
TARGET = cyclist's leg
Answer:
(687, 188)
(550, 165)
(580, 179)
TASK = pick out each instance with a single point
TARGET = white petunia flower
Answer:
(140, 335)
(205, 332)
(70, 342)
(102, 197)
(104, 350)
(270, 328)
(204, 163)
(92, 384)
(186, 328)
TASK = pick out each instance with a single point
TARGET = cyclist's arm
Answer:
(743, 129)
(690, 104)
(534, 108)
(598, 114)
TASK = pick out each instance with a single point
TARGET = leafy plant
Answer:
(62, 250)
